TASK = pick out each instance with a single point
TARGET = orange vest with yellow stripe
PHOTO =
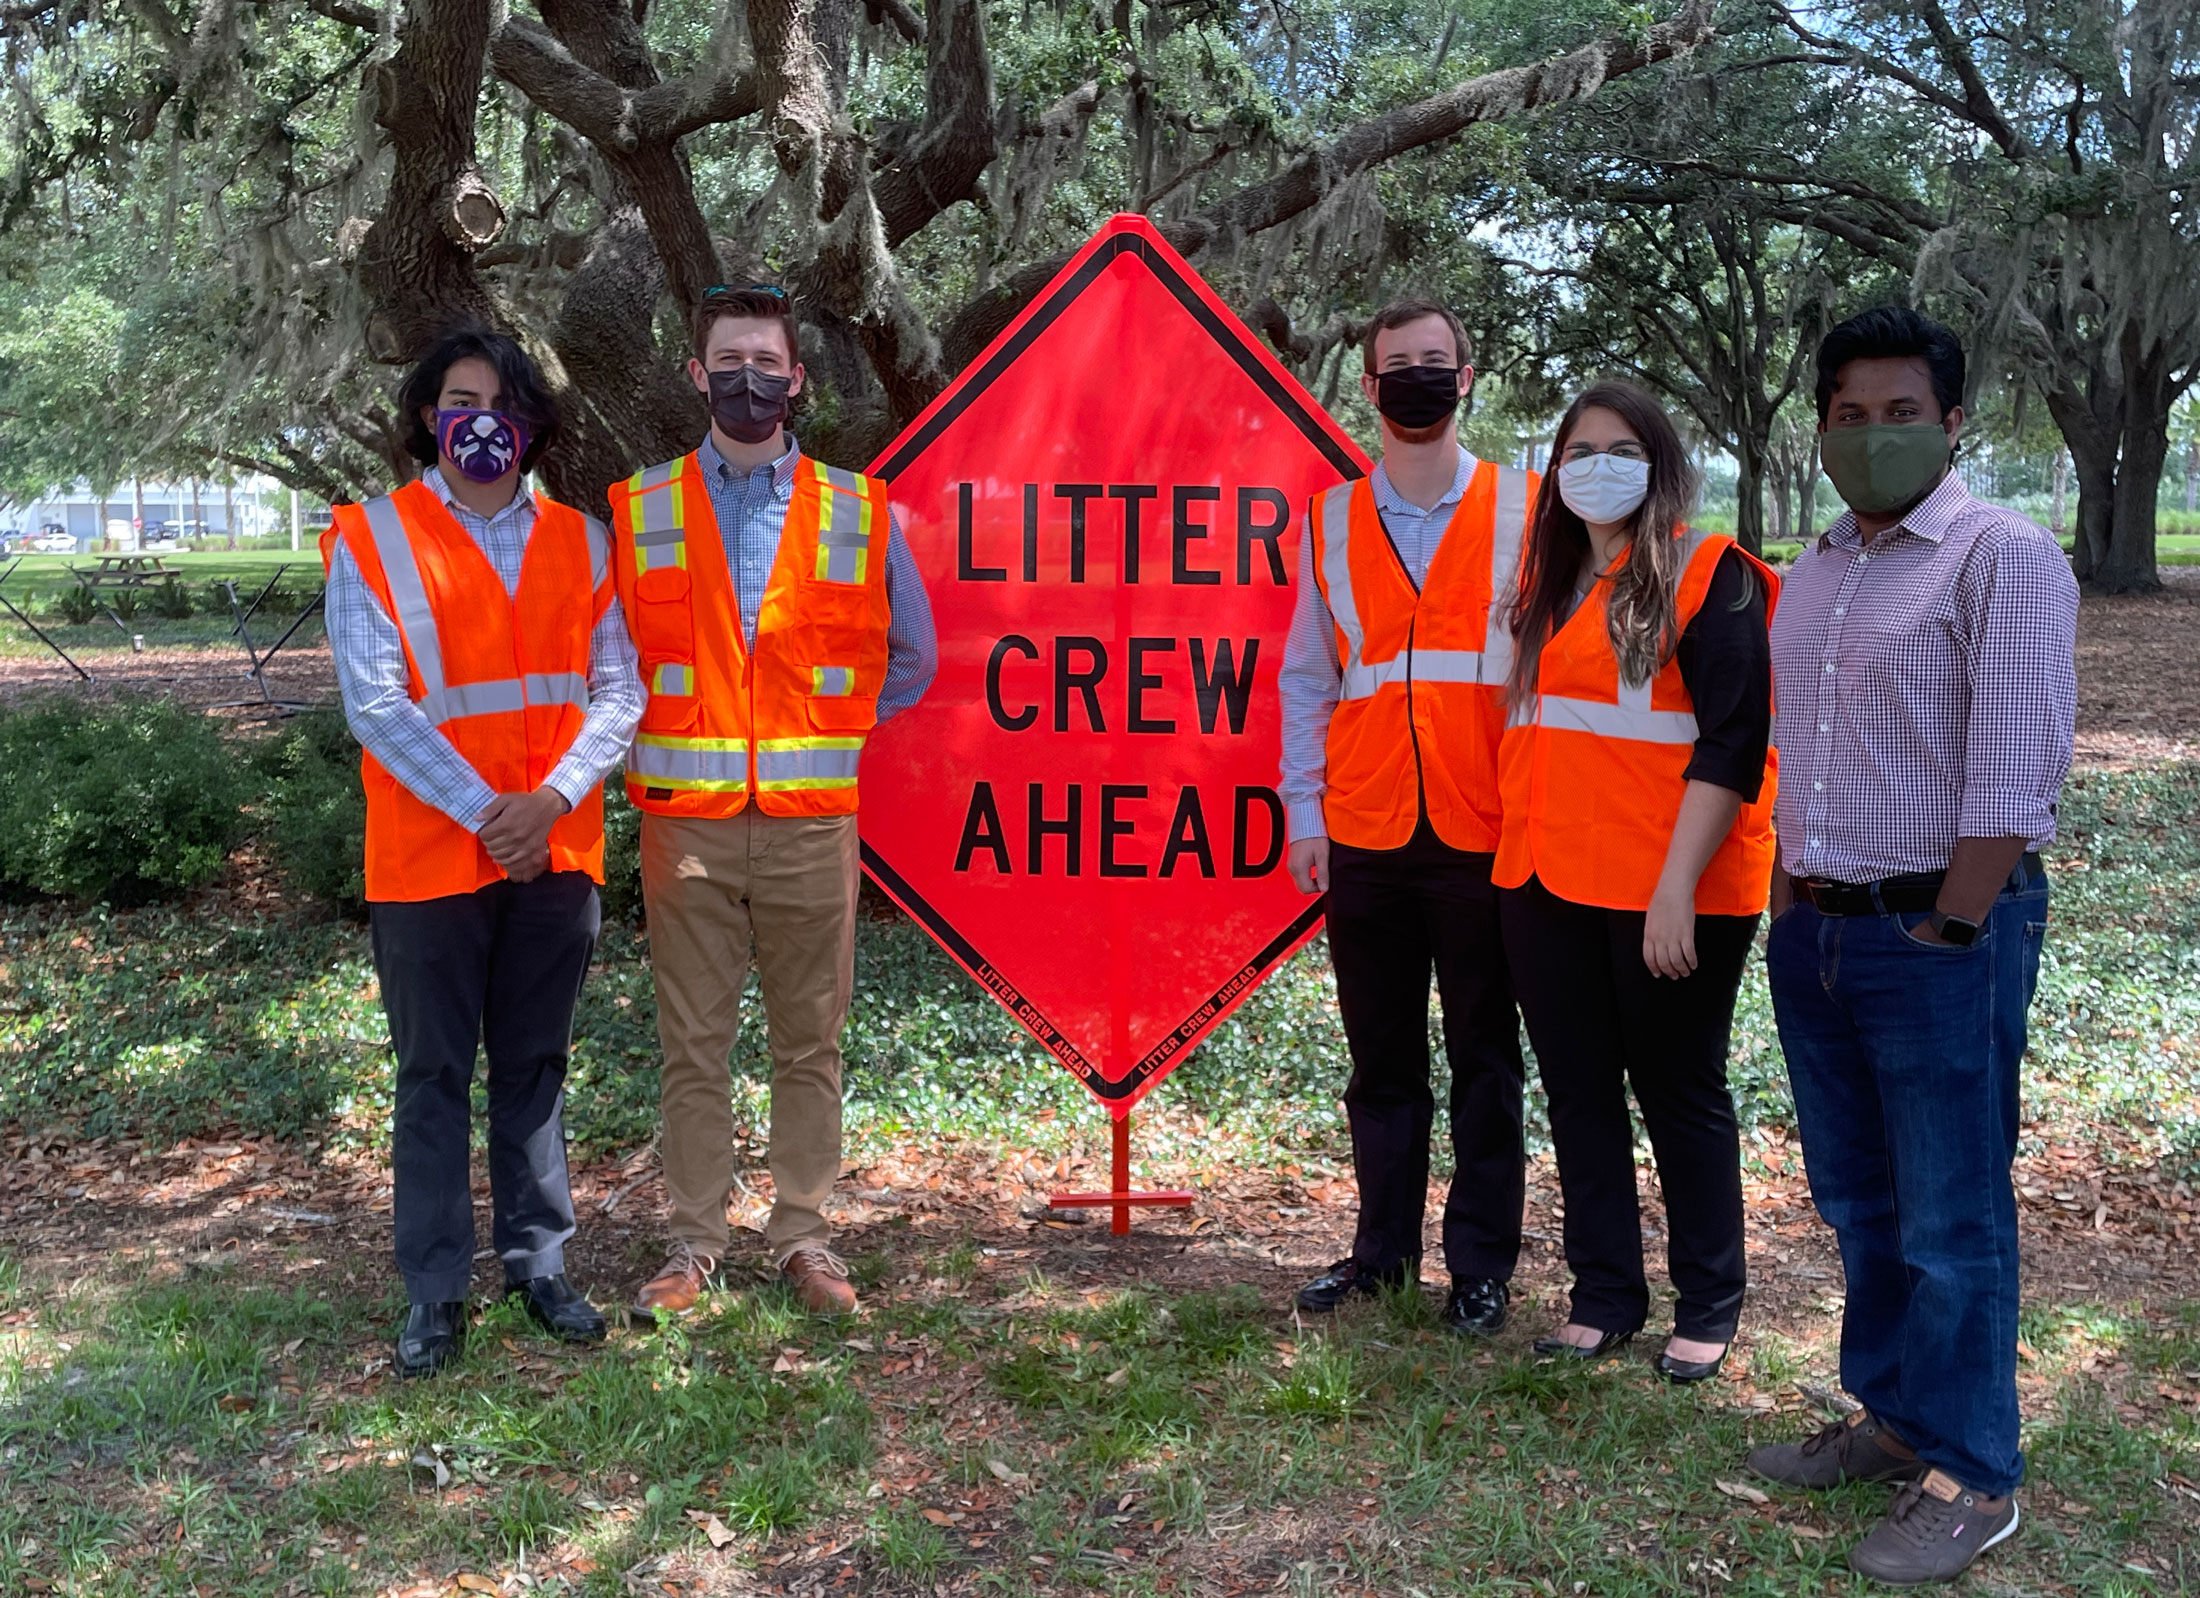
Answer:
(786, 721)
(1421, 704)
(1594, 767)
(504, 676)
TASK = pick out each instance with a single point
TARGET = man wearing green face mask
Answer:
(1923, 669)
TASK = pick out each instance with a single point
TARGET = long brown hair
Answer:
(1643, 614)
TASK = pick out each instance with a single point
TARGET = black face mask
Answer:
(748, 404)
(1414, 397)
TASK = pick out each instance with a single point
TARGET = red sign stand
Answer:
(1122, 1198)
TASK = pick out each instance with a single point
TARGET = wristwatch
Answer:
(1953, 929)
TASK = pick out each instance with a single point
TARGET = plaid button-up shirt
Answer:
(1926, 688)
(378, 704)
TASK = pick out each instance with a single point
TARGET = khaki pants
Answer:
(711, 887)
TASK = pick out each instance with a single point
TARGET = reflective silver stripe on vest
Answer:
(691, 760)
(499, 698)
(672, 679)
(1640, 724)
(599, 551)
(832, 681)
(1333, 519)
(1506, 544)
(415, 617)
(557, 688)
(846, 482)
(784, 763)
(657, 476)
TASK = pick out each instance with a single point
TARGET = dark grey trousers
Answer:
(499, 969)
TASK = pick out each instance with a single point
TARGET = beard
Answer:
(1418, 435)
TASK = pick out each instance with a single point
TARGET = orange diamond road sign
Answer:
(1106, 508)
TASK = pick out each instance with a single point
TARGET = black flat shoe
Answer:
(556, 1305)
(1684, 1371)
(1607, 1343)
(431, 1338)
(1347, 1279)
(1477, 1306)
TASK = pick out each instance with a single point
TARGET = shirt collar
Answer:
(440, 486)
(1388, 497)
(1934, 515)
(782, 468)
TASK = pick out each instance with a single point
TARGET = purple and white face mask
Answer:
(483, 444)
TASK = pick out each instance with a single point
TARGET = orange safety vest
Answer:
(786, 722)
(1421, 705)
(1594, 768)
(504, 677)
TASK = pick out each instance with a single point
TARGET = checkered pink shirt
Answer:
(1926, 688)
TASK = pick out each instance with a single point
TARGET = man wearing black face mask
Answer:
(779, 617)
(1393, 704)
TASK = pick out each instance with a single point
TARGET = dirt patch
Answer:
(2138, 686)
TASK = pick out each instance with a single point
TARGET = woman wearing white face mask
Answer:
(1635, 857)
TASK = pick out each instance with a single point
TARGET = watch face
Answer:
(1958, 931)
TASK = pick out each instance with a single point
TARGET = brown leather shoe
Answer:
(819, 1278)
(676, 1289)
(1854, 1448)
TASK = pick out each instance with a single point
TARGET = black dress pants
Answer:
(1601, 1022)
(499, 969)
(1395, 915)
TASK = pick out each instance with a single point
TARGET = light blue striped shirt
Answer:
(1312, 674)
(751, 508)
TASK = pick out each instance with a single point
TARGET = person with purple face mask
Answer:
(487, 673)
(780, 617)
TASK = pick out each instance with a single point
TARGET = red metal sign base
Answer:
(1122, 1198)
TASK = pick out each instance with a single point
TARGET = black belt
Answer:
(1903, 895)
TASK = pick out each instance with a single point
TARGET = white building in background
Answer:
(185, 511)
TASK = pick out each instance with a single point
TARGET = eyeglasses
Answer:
(718, 290)
(1625, 450)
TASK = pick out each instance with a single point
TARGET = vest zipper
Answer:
(1413, 733)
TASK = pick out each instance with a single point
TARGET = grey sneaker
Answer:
(1935, 1531)
(1851, 1449)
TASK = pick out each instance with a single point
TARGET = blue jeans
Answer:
(1903, 1055)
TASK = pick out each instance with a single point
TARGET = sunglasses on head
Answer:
(720, 290)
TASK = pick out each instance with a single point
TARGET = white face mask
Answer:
(1604, 488)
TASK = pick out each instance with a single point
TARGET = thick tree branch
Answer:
(943, 163)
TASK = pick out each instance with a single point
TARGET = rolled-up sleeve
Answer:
(2018, 614)
(912, 644)
(1307, 687)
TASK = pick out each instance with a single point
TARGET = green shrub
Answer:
(622, 860)
(316, 810)
(125, 802)
(77, 606)
(171, 601)
(214, 598)
(125, 603)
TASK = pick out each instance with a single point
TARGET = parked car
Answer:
(54, 541)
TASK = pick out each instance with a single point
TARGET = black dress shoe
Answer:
(1684, 1371)
(1606, 1343)
(556, 1305)
(432, 1336)
(1476, 1307)
(1345, 1280)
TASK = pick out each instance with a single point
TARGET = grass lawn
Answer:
(195, 1304)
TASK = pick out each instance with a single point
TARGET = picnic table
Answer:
(125, 571)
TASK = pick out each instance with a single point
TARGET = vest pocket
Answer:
(842, 713)
(664, 619)
(670, 712)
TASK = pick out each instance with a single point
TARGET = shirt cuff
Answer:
(468, 812)
(1305, 819)
(571, 783)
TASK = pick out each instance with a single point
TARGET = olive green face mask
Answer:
(1883, 467)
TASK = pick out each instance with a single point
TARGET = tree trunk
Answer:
(2127, 565)
(2060, 523)
(2192, 475)
(229, 512)
(1749, 494)
(1806, 518)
